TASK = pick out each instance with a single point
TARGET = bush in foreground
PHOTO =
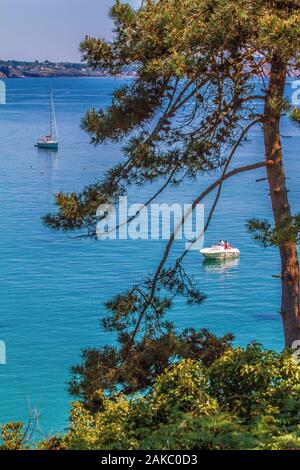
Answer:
(249, 398)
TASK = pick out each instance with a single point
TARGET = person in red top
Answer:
(226, 246)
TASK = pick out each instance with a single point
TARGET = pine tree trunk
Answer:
(280, 203)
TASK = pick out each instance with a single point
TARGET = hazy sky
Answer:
(51, 29)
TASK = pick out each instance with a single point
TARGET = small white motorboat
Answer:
(220, 252)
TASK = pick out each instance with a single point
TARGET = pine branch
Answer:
(208, 190)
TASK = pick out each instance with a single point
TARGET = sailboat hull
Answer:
(47, 145)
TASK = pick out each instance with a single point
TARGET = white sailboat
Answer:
(50, 141)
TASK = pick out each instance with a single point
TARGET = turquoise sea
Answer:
(53, 287)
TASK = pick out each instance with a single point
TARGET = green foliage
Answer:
(105, 369)
(123, 423)
(249, 398)
(267, 235)
(253, 381)
(214, 432)
(16, 436)
(52, 443)
(180, 389)
(12, 436)
(131, 106)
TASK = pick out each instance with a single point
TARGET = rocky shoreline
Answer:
(47, 69)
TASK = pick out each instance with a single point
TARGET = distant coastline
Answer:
(47, 69)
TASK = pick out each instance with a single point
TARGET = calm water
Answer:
(53, 287)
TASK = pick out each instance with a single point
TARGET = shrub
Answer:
(249, 398)
(253, 380)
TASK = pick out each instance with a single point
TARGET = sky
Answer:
(51, 29)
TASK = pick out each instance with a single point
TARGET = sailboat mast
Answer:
(50, 141)
(51, 113)
(53, 118)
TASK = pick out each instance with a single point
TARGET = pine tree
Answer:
(186, 113)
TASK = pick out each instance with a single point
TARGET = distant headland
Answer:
(47, 69)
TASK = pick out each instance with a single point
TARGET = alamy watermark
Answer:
(2, 353)
(153, 222)
(296, 94)
(2, 343)
(2, 92)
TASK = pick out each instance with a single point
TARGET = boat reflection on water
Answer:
(48, 158)
(220, 265)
